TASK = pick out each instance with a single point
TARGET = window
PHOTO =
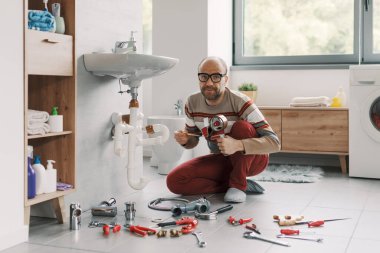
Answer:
(291, 32)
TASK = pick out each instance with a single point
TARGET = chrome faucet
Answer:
(131, 45)
(179, 107)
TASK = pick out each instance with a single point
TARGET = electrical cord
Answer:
(154, 204)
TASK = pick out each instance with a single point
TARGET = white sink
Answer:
(131, 66)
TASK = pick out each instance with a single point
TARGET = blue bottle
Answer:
(31, 180)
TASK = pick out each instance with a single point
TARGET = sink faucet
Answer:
(131, 45)
(179, 107)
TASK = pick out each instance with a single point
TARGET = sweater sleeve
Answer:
(267, 140)
(191, 127)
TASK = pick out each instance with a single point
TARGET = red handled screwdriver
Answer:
(317, 223)
(293, 232)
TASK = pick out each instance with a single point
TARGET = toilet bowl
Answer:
(170, 154)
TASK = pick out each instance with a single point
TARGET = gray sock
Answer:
(253, 187)
(235, 196)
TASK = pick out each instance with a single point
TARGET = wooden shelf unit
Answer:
(311, 130)
(50, 80)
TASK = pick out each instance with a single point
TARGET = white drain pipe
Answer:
(135, 130)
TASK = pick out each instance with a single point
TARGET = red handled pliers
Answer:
(115, 228)
(234, 222)
(142, 231)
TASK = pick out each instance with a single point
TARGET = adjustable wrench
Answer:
(253, 235)
(201, 243)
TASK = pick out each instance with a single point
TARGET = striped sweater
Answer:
(235, 106)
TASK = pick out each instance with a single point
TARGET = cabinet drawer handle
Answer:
(51, 41)
(366, 82)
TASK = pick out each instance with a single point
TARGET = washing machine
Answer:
(364, 121)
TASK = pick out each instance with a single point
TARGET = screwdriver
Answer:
(293, 232)
(317, 223)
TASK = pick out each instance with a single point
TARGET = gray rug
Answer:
(290, 174)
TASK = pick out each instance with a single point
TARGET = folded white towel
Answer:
(38, 128)
(309, 104)
(37, 116)
(302, 100)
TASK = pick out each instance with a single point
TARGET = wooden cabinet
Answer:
(311, 130)
(50, 80)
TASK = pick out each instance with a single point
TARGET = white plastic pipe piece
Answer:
(132, 170)
(159, 140)
(120, 130)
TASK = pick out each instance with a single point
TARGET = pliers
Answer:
(115, 228)
(106, 228)
(234, 222)
(139, 230)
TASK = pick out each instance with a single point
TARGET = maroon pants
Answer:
(215, 172)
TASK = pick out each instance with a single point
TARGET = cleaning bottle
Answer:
(31, 175)
(40, 171)
(55, 121)
(60, 22)
(342, 95)
(51, 177)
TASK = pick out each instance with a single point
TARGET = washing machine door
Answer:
(370, 115)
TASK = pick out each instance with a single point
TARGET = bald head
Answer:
(213, 61)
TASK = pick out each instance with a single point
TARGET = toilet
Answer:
(171, 154)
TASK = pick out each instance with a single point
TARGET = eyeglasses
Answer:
(215, 77)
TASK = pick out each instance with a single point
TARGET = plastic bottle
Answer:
(40, 171)
(342, 96)
(51, 177)
(55, 121)
(31, 175)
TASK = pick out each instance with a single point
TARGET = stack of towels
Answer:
(41, 21)
(37, 122)
(321, 101)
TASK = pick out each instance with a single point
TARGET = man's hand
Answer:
(181, 137)
(229, 145)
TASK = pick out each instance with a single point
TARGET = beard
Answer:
(211, 93)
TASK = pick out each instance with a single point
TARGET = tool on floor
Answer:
(115, 228)
(175, 233)
(129, 211)
(75, 216)
(161, 233)
(212, 215)
(140, 230)
(155, 204)
(317, 223)
(287, 220)
(235, 222)
(320, 240)
(253, 235)
(294, 232)
(190, 224)
(105, 208)
(201, 205)
(201, 242)
(253, 227)
(95, 224)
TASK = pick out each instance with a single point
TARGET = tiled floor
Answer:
(335, 196)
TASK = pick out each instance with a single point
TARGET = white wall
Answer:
(189, 30)
(12, 126)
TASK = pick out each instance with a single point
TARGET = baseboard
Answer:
(12, 237)
(305, 159)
